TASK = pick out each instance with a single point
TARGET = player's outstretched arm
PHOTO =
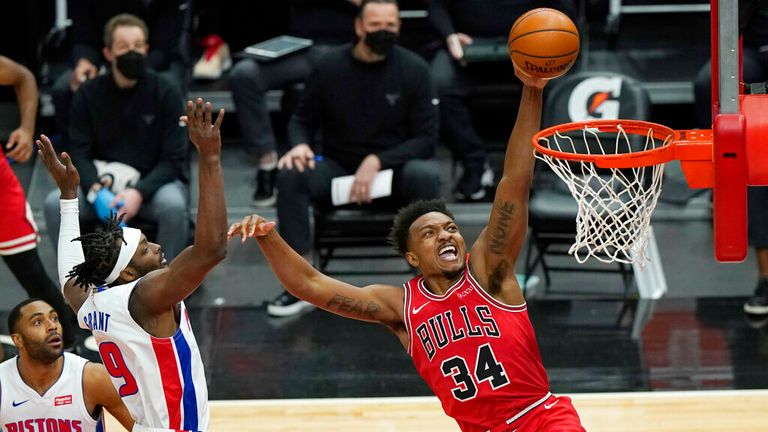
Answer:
(374, 303)
(161, 290)
(70, 253)
(494, 254)
(99, 390)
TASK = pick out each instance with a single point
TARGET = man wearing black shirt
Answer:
(375, 107)
(461, 23)
(130, 116)
(166, 20)
(328, 25)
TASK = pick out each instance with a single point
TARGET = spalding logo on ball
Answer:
(544, 43)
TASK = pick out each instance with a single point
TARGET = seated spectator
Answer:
(375, 107)
(166, 24)
(459, 23)
(329, 25)
(18, 231)
(126, 136)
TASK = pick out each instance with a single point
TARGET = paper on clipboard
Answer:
(341, 187)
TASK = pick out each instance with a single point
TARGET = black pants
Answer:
(250, 80)
(417, 179)
(29, 271)
(457, 130)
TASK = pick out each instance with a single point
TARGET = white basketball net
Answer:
(614, 205)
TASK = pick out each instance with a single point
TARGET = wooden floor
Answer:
(699, 411)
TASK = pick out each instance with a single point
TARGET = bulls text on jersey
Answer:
(452, 326)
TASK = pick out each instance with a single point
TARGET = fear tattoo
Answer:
(346, 304)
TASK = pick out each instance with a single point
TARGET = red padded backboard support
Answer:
(730, 191)
(730, 161)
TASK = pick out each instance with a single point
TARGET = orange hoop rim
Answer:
(676, 144)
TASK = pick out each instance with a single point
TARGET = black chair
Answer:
(552, 209)
(364, 232)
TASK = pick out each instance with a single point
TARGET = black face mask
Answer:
(381, 41)
(131, 64)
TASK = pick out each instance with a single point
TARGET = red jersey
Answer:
(18, 232)
(478, 355)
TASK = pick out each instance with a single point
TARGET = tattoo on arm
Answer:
(500, 229)
(349, 305)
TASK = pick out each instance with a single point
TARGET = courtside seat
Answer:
(355, 228)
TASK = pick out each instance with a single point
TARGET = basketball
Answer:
(543, 43)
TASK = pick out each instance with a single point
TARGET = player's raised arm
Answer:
(374, 303)
(70, 253)
(494, 254)
(164, 289)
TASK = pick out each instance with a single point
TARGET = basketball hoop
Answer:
(614, 169)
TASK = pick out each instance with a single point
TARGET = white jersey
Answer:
(161, 380)
(61, 408)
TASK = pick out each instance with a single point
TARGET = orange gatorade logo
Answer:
(595, 98)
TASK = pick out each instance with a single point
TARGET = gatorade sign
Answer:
(595, 98)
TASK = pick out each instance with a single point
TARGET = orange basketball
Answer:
(544, 43)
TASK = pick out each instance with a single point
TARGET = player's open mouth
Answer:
(54, 341)
(448, 253)
(163, 261)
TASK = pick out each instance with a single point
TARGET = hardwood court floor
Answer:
(699, 411)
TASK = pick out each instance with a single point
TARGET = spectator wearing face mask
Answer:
(126, 142)
(375, 107)
(165, 20)
(329, 24)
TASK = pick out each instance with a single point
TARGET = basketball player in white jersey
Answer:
(42, 390)
(123, 290)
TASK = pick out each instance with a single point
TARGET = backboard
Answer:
(728, 158)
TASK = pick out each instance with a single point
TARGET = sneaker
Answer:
(758, 303)
(757, 322)
(286, 305)
(214, 61)
(474, 185)
(73, 342)
(488, 179)
(478, 195)
(265, 195)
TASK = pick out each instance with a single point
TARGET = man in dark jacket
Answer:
(375, 107)
(166, 20)
(125, 136)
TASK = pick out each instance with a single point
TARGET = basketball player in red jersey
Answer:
(463, 320)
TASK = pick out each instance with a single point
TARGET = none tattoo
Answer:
(346, 304)
(501, 228)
